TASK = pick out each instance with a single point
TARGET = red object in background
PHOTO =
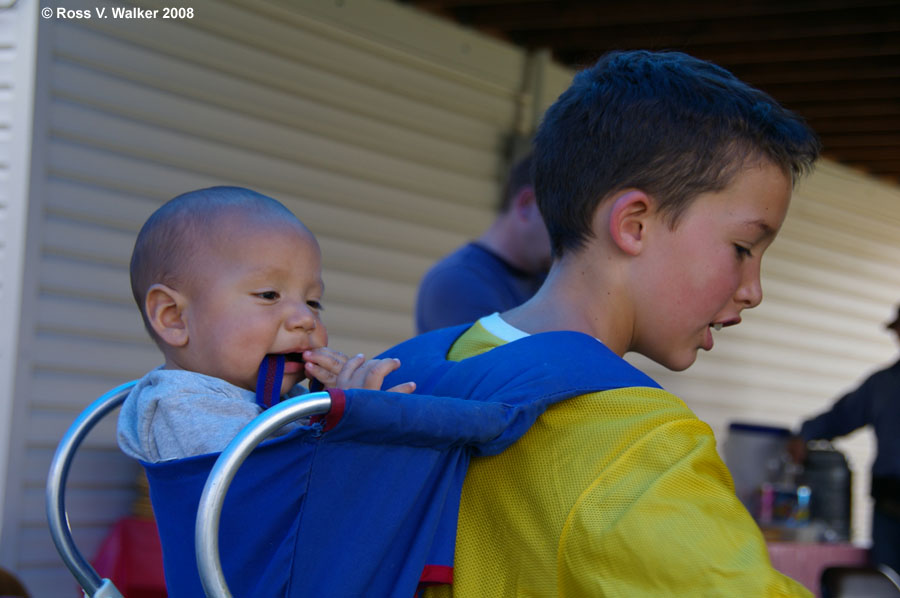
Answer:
(131, 556)
(805, 561)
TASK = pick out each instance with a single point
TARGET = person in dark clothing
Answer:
(503, 268)
(875, 402)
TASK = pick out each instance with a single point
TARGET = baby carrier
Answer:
(361, 501)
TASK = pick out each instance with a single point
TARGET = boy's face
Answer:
(254, 290)
(706, 271)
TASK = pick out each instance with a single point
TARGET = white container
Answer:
(754, 454)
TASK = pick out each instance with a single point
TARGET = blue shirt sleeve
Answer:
(876, 402)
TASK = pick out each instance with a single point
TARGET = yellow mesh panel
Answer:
(614, 494)
(475, 341)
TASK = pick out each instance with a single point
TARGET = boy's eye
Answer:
(316, 305)
(742, 251)
(268, 295)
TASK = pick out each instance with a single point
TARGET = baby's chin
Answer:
(291, 380)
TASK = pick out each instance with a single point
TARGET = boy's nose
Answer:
(750, 294)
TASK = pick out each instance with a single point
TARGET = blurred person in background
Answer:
(500, 270)
(875, 402)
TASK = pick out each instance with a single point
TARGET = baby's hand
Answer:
(359, 373)
(324, 365)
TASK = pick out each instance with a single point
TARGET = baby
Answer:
(228, 281)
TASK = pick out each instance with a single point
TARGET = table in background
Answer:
(805, 561)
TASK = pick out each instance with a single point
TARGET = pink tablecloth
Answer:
(805, 561)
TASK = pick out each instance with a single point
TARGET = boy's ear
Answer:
(165, 312)
(628, 219)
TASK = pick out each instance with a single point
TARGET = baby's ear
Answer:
(165, 312)
(628, 219)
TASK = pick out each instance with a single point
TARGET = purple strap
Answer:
(268, 383)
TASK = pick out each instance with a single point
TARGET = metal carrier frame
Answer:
(206, 532)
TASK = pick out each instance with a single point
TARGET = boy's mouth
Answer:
(725, 323)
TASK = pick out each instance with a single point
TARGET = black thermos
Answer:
(827, 474)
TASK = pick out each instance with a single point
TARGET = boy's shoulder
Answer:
(541, 363)
(564, 358)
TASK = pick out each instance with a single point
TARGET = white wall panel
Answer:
(284, 179)
(18, 55)
(275, 143)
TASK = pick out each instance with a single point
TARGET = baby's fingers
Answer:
(326, 358)
(327, 378)
(351, 373)
(377, 370)
(406, 388)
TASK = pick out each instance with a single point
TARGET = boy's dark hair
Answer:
(669, 124)
(519, 176)
(175, 231)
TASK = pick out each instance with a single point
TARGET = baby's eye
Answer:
(316, 305)
(268, 295)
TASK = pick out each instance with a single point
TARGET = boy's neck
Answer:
(578, 296)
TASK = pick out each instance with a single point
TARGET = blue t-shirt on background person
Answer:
(470, 283)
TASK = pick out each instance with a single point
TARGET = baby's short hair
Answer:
(669, 124)
(174, 232)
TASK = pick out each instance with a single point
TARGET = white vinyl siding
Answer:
(18, 47)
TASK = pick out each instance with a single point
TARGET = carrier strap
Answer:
(268, 383)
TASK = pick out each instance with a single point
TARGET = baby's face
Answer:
(255, 290)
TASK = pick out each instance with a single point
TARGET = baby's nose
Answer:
(301, 316)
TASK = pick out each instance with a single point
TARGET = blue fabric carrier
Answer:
(365, 503)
